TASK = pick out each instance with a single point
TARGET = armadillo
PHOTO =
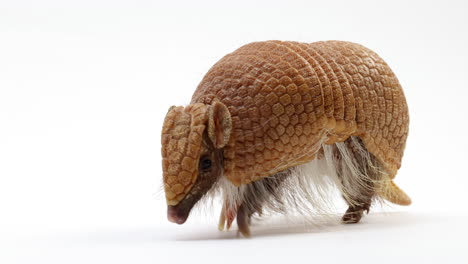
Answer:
(266, 110)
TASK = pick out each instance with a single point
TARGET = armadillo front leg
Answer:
(255, 196)
(258, 195)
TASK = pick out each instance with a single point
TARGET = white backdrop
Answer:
(85, 85)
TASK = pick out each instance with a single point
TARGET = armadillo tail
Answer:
(392, 193)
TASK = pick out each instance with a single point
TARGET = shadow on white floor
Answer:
(277, 226)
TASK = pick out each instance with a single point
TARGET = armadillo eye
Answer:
(205, 163)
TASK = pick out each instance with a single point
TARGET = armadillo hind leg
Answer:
(359, 173)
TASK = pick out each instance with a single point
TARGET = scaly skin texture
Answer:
(287, 98)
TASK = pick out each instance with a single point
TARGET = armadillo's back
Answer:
(288, 98)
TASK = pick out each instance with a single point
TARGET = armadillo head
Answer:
(192, 142)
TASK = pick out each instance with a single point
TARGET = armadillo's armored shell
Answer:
(181, 142)
(288, 98)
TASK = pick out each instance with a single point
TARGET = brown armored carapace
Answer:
(271, 106)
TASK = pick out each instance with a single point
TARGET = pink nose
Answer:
(175, 216)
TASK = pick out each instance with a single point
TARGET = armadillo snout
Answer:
(175, 215)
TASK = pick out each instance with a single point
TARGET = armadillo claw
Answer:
(222, 219)
(231, 214)
(245, 231)
(226, 217)
(243, 222)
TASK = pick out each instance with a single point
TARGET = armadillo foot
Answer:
(354, 214)
(243, 220)
(226, 217)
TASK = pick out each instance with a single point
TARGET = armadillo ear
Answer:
(219, 124)
(170, 108)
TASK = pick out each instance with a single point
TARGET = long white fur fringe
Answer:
(309, 189)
